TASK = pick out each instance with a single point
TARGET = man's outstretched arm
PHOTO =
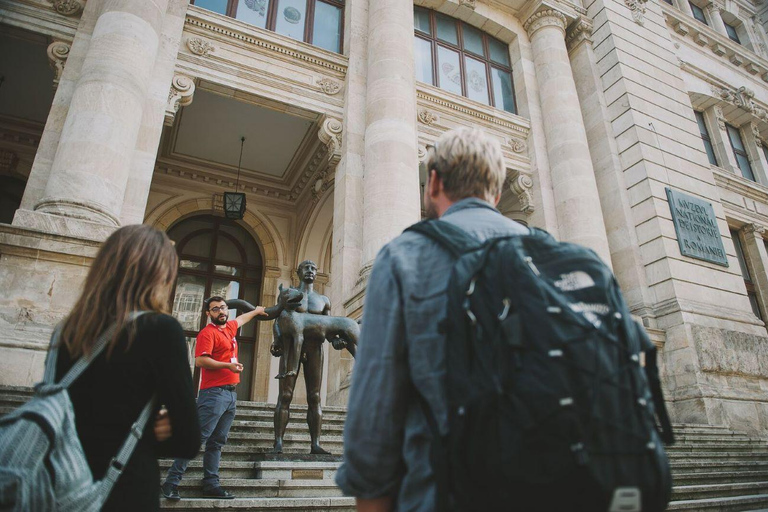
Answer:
(374, 428)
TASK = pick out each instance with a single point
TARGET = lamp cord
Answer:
(240, 161)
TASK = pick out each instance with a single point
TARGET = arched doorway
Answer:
(217, 257)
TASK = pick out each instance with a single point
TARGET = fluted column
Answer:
(92, 164)
(391, 180)
(577, 201)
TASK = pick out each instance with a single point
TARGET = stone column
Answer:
(757, 262)
(91, 168)
(391, 181)
(716, 19)
(577, 201)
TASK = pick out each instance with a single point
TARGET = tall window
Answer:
(731, 31)
(698, 13)
(217, 257)
(463, 60)
(318, 22)
(751, 292)
(739, 152)
(705, 137)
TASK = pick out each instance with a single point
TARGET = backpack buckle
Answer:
(136, 431)
(116, 465)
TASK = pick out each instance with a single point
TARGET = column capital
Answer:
(578, 33)
(181, 93)
(58, 51)
(545, 18)
(753, 229)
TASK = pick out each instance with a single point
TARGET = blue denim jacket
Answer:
(386, 436)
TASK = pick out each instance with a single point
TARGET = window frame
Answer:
(703, 18)
(732, 36)
(754, 300)
(309, 19)
(435, 43)
(740, 152)
(709, 149)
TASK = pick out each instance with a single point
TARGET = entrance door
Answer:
(217, 257)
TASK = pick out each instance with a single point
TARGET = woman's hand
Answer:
(163, 428)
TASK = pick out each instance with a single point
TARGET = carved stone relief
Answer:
(518, 145)
(68, 7)
(58, 51)
(521, 185)
(180, 95)
(578, 32)
(468, 3)
(428, 117)
(638, 10)
(200, 46)
(328, 86)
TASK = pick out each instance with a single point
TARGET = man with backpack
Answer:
(475, 366)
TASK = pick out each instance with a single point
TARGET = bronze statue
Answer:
(303, 323)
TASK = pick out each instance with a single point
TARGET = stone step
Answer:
(719, 477)
(254, 452)
(270, 504)
(267, 488)
(697, 492)
(694, 466)
(748, 446)
(276, 470)
(716, 456)
(728, 504)
(250, 426)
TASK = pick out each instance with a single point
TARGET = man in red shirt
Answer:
(216, 355)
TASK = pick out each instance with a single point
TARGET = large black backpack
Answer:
(553, 389)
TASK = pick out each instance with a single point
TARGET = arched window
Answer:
(317, 22)
(463, 60)
(217, 257)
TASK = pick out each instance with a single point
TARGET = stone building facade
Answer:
(117, 111)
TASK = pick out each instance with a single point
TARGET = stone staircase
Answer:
(714, 468)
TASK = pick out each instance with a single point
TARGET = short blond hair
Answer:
(469, 163)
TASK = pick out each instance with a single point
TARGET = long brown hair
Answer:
(134, 270)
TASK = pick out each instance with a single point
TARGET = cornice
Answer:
(229, 30)
(702, 35)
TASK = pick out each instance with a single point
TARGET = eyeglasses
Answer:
(218, 309)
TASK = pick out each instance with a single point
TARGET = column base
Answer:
(63, 226)
(41, 275)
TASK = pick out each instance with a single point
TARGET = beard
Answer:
(220, 320)
(429, 209)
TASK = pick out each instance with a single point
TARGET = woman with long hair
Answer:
(134, 270)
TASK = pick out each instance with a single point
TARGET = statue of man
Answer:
(311, 358)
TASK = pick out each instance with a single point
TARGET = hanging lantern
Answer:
(234, 202)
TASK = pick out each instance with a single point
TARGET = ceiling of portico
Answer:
(209, 132)
(25, 90)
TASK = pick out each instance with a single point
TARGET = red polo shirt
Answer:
(218, 342)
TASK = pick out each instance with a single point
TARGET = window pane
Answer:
(198, 245)
(194, 265)
(421, 20)
(227, 289)
(499, 51)
(422, 52)
(326, 32)
(740, 256)
(291, 16)
(753, 302)
(503, 93)
(188, 301)
(705, 137)
(744, 165)
(252, 251)
(251, 295)
(477, 80)
(446, 29)
(227, 250)
(735, 137)
(698, 13)
(253, 12)
(765, 151)
(227, 270)
(449, 70)
(710, 151)
(473, 39)
(219, 6)
(731, 30)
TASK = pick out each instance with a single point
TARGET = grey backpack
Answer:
(42, 463)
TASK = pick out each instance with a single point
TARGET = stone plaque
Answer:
(696, 227)
(307, 474)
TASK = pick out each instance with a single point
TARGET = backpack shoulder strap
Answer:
(450, 236)
(80, 366)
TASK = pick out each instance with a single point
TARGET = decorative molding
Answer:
(720, 117)
(743, 98)
(180, 95)
(754, 229)
(546, 18)
(329, 86)
(638, 10)
(267, 45)
(518, 145)
(458, 107)
(578, 33)
(521, 185)
(756, 134)
(330, 134)
(427, 116)
(58, 51)
(68, 7)
(200, 46)
(422, 153)
(468, 3)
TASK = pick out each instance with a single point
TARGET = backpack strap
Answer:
(652, 375)
(81, 364)
(450, 236)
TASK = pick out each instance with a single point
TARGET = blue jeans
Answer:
(216, 410)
